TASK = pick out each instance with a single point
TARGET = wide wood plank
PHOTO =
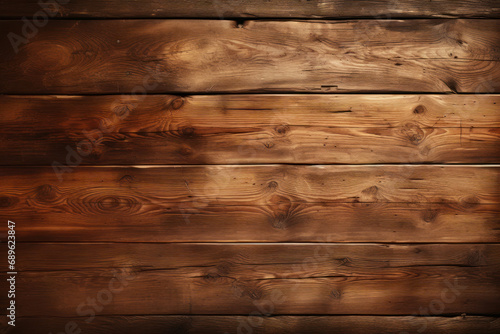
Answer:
(240, 279)
(254, 203)
(232, 129)
(255, 8)
(262, 325)
(162, 56)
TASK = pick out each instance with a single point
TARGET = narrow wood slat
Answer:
(255, 8)
(226, 129)
(133, 56)
(262, 325)
(240, 279)
(254, 203)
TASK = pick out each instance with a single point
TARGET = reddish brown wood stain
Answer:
(255, 166)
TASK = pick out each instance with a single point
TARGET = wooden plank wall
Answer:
(251, 166)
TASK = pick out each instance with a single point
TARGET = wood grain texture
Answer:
(263, 325)
(164, 56)
(256, 8)
(251, 166)
(235, 129)
(255, 203)
(240, 279)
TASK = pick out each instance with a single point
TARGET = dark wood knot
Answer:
(177, 103)
(46, 193)
(211, 277)
(279, 221)
(126, 179)
(122, 111)
(269, 144)
(188, 131)
(371, 191)
(185, 151)
(430, 215)
(413, 133)
(109, 203)
(419, 109)
(272, 185)
(470, 202)
(282, 129)
(6, 201)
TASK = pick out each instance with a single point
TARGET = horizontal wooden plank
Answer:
(262, 325)
(163, 56)
(253, 261)
(254, 203)
(233, 129)
(255, 8)
(240, 279)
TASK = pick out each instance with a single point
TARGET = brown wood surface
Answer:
(382, 9)
(256, 166)
(264, 325)
(240, 279)
(254, 203)
(233, 129)
(163, 56)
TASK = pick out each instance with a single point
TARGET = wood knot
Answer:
(413, 133)
(279, 221)
(419, 109)
(188, 131)
(122, 111)
(371, 191)
(211, 277)
(281, 209)
(6, 201)
(451, 84)
(177, 103)
(116, 203)
(335, 294)
(470, 202)
(109, 203)
(272, 185)
(46, 193)
(282, 129)
(126, 179)
(430, 215)
(269, 144)
(84, 148)
(239, 23)
(185, 151)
